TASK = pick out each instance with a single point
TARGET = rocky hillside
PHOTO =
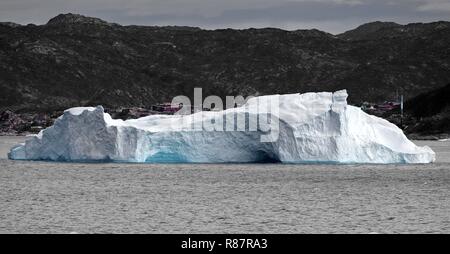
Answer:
(77, 60)
(430, 112)
(430, 103)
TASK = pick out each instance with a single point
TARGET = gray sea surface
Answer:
(46, 197)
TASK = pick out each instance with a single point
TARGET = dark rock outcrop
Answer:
(430, 112)
(430, 103)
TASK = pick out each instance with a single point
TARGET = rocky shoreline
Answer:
(21, 124)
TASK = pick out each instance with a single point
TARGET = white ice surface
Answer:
(313, 128)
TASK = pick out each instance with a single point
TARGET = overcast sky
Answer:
(333, 16)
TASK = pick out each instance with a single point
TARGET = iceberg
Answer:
(303, 128)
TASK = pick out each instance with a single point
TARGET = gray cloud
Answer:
(329, 15)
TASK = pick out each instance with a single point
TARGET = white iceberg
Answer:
(311, 128)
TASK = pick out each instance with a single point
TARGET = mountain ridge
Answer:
(77, 60)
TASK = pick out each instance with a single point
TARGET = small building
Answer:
(167, 108)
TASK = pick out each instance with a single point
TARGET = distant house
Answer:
(384, 107)
(388, 106)
(167, 108)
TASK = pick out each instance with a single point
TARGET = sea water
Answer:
(46, 197)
